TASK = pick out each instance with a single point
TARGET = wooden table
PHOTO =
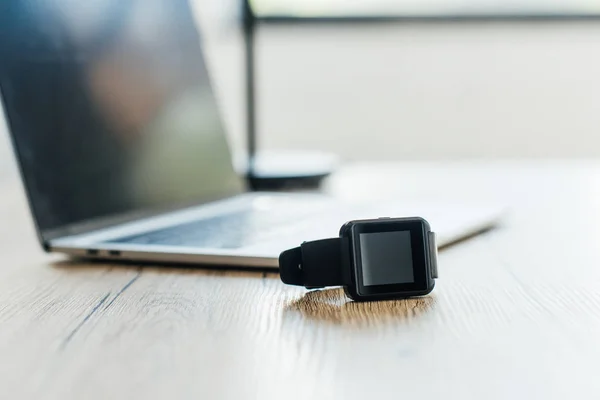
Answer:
(515, 313)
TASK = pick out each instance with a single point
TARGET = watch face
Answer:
(389, 257)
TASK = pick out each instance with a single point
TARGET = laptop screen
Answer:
(110, 109)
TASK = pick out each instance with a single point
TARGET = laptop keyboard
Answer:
(229, 231)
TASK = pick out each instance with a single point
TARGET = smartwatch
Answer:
(372, 259)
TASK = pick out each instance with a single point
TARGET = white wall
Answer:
(425, 91)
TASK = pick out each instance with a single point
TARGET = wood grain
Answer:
(516, 313)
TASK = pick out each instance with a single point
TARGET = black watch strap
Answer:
(313, 265)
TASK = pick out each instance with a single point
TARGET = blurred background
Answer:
(411, 80)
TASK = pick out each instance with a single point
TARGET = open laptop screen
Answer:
(110, 108)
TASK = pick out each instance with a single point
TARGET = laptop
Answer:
(124, 154)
